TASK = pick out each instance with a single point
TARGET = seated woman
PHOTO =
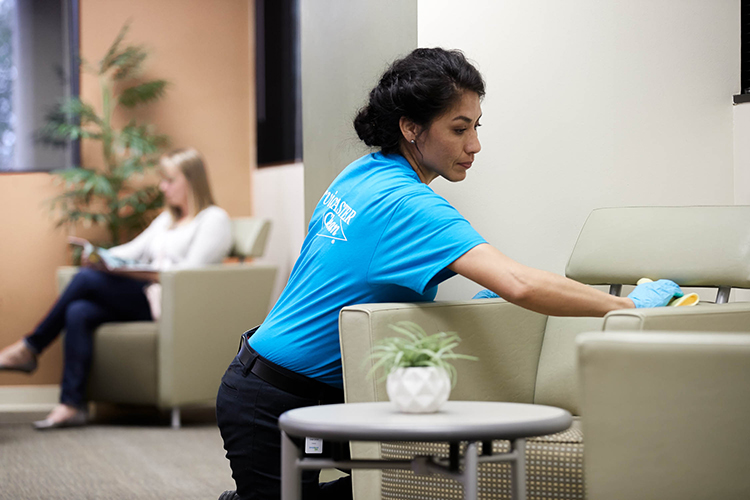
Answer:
(191, 232)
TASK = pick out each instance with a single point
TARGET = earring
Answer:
(412, 141)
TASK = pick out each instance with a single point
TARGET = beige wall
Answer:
(203, 49)
(590, 103)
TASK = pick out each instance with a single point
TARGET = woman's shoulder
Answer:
(382, 172)
(163, 220)
(213, 213)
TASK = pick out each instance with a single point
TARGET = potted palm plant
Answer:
(418, 372)
(114, 195)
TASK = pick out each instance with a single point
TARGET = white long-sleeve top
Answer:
(206, 239)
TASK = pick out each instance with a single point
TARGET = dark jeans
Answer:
(92, 298)
(247, 411)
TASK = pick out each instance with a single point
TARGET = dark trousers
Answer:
(92, 298)
(247, 411)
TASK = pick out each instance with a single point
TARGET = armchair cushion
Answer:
(554, 468)
(121, 348)
(556, 381)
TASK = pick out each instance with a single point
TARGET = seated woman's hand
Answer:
(92, 263)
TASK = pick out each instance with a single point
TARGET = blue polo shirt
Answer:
(378, 234)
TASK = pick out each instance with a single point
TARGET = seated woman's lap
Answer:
(122, 297)
(117, 299)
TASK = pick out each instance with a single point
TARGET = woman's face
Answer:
(447, 147)
(174, 185)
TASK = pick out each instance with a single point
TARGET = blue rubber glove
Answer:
(655, 293)
(486, 294)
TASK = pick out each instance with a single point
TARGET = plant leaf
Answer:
(143, 93)
(111, 54)
(66, 122)
(105, 195)
(416, 349)
(128, 62)
(140, 140)
(74, 107)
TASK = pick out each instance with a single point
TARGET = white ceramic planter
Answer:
(418, 389)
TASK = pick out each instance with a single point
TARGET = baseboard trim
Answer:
(22, 398)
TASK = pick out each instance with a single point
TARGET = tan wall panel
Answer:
(29, 253)
(202, 48)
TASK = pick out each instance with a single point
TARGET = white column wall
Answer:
(278, 194)
(742, 154)
(346, 46)
(742, 168)
(590, 103)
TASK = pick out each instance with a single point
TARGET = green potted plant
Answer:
(418, 372)
(115, 195)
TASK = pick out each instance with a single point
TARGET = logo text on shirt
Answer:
(340, 213)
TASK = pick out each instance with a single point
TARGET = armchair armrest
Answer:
(64, 276)
(734, 317)
(204, 312)
(665, 414)
(506, 338)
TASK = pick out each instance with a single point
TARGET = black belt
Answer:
(283, 378)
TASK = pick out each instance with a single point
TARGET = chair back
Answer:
(250, 236)
(700, 246)
(694, 246)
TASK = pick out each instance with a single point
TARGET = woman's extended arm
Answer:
(136, 248)
(534, 289)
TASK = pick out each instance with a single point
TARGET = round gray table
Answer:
(456, 422)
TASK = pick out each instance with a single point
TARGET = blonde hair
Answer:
(190, 163)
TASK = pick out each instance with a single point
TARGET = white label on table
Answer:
(313, 445)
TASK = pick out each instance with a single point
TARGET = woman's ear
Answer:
(409, 130)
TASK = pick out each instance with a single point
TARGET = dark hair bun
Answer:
(421, 86)
(365, 127)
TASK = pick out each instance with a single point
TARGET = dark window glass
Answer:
(38, 67)
(278, 88)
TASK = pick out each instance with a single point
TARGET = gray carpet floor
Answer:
(126, 456)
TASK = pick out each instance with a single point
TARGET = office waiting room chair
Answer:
(179, 360)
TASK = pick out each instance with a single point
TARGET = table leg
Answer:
(518, 474)
(471, 472)
(291, 475)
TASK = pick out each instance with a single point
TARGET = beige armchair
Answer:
(531, 358)
(179, 360)
(666, 415)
